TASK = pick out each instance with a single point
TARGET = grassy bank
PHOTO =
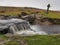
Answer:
(51, 14)
(34, 40)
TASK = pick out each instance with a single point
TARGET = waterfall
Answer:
(22, 27)
(13, 29)
(28, 30)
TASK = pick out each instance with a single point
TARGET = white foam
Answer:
(38, 30)
(26, 33)
(35, 31)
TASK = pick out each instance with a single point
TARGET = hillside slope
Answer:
(28, 10)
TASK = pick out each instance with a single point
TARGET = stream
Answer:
(46, 29)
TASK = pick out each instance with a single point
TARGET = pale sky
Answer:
(55, 4)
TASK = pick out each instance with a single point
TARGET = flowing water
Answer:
(48, 29)
(23, 27)
(42, 30)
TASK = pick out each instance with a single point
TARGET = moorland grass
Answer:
(36, 40)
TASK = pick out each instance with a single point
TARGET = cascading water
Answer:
(22, 27)
(27, 30)
(37, 29)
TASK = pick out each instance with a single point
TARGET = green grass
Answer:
(51, 14)
(43, 40)
(36, 40)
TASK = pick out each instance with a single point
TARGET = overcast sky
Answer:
(55, 4)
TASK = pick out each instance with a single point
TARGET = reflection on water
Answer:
(49, 29)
